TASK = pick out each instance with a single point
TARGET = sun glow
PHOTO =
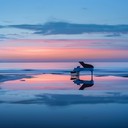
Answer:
(39, 52)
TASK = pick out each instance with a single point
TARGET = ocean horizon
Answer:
(47, 75)
(42, 95)
(63, 64)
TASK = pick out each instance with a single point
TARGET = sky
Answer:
(76, 11)
(48, 30)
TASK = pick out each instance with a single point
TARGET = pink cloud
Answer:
(61, 50)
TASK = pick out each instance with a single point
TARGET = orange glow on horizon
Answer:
(44, 54)
(32, 50)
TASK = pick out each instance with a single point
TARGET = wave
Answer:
(97, 71)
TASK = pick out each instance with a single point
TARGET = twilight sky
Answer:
(76, 11)
(63, 30)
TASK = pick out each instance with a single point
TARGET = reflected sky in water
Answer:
(52, 99)
(63, 109)
(63, 82)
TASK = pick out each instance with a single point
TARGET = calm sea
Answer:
(48, 100)
(61, 65)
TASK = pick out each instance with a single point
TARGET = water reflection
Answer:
(40, 82)
(75, 75)
(85, 83)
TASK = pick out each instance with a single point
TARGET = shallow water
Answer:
(47, 76)
(42, 95)
(63, 108)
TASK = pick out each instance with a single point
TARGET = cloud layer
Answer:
(63, 30)
(72, 28)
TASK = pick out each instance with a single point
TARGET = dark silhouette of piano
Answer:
(84, 83)
(76, 73)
